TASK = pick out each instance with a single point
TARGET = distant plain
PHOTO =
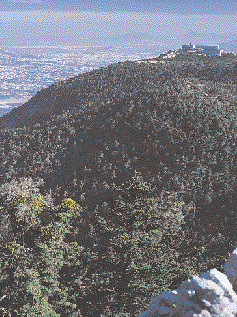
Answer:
(38, 48)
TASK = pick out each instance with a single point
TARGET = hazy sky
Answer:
(30, 22)
(168, 6)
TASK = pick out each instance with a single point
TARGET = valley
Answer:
(27, 69)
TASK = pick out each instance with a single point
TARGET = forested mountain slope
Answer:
(117, 82)
(171, 121)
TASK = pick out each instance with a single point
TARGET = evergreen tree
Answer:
(134, 258)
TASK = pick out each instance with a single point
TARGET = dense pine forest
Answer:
(116, 185)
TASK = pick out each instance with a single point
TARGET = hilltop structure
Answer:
(213, 50)
(202, 49)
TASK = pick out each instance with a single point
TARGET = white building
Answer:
(188, 47)
(210, 49)
(202, 49)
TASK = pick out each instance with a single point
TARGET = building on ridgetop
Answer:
(191, 48)
(210, 49)
(187, 47)
(202, 49)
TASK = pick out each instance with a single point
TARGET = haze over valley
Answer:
(40, 48)
(26, 70)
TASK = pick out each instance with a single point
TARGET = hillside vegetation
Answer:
(126, 178)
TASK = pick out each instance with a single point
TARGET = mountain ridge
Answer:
(171, 121)
(85, 89)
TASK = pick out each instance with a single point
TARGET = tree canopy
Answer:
(118, 182)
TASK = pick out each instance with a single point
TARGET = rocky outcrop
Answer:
(210, 295)
(230, 269)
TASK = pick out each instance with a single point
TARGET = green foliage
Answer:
(174, 122)
(136, 260)
(30, 273)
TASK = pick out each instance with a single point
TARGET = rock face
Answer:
(230, 269)
(210, 295)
